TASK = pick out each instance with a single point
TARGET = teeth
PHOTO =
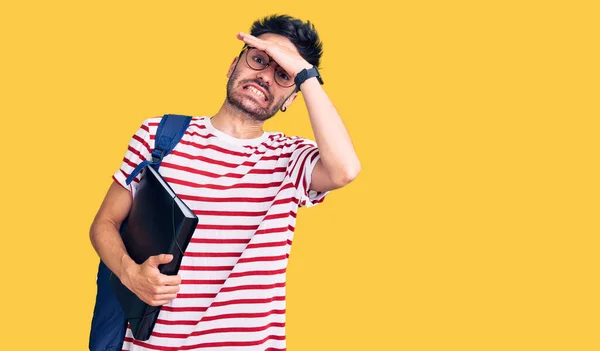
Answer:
(257, 92)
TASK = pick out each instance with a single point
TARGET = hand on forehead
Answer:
(279, 48)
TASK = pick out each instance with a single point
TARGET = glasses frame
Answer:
(247, 48)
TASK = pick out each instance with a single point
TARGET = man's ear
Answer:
(232, 67)
(289, 101)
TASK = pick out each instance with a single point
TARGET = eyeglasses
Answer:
(258, 60)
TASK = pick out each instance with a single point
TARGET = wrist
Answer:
(307, 74)
(302, 67)
(127, 268)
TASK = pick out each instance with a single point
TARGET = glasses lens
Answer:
(283, 78)
(257, 59)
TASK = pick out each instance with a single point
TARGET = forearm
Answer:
(107, 242)
(335, 147)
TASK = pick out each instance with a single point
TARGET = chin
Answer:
(237, 99)
(251, 108)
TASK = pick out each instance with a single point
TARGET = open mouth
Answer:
(256, 91)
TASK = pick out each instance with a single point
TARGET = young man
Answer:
(245, 185)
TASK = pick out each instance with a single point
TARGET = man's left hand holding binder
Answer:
(145, 280)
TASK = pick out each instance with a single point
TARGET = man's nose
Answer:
(267, 75)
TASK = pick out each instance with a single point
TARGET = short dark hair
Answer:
(303, 35)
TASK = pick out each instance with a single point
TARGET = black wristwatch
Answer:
(306, 74)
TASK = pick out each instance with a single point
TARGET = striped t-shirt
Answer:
(246, 193)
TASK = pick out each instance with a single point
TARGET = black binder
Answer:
(158, 223)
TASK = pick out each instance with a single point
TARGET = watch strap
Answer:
(307, 74)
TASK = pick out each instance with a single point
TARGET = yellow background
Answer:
(474, 222)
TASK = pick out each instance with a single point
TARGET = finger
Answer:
(243, 35)
(154, 261)
(159, 302)
(164, 297)
(173, 289)
(171, 279)
(252, 40)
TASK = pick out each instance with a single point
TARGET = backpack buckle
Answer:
(158, 154)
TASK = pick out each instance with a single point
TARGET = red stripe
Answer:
(200, 172)
(263, 258)
(275, 230)
(302, 167)
(283, 144)
(129, 163)
(278, 157)
(275, 157)
(190, 133)
(197, 125)
(251, 273)
(220, 304)
(247, 301)
(279, 215)
(196, 296)
(253, 287)
(261, 245)
(286, 200)
(230, 213)
(135, 152)
(219, 241)
(183, 309)
(219, 330)
(227, 175)
(225, 199)
(220, 316)
(212, 254)
(205, 136)
(226, 227)
(268, 171)
(242, 199)
(206, 268)
(143, 142)
(211, 161)
(296, 160)
(223, 187)
(313, 154)
(196, 281)
(312, 159)
(208, 344)
(213, 147)
(234, 153)
(240, 315)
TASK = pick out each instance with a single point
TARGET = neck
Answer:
(236, 123)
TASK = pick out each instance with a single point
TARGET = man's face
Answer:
(255, 92)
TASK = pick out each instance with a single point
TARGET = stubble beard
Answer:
(248, 107)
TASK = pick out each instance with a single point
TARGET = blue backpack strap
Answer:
(170, 130)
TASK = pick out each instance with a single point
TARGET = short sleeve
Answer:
(138, 151)
(300, 168)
